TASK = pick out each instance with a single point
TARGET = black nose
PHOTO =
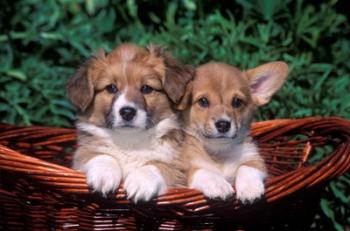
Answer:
(127, 113)
(223, 126)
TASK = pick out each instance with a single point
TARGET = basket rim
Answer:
(67, 180)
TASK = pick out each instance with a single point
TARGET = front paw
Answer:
(103, 174)
(249, 184)
(211, 184)
(144, 183)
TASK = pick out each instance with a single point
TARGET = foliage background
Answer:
(43, 41)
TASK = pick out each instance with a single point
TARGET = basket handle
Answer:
(331, 166)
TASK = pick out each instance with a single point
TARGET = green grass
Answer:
(42, 42)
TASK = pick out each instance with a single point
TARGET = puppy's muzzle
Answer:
(127, 113)
(223, 126)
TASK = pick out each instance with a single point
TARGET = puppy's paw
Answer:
(211, 184)
(249, 184)
(103, 174)
(144, 183)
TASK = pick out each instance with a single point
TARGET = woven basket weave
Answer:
(38, 190)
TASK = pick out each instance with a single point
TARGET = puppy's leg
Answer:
(210, 183)
(103, 173)
(145, 182)
(250, 180)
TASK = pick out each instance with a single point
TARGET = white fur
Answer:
(103, 174)
(140, 119)
(133, 149)
(211, 184)
(230, 167)
(164, 126)
(125, 65)
(92, 129)
(144, 183)
(240, 154)
(229, 157)
(249, 184)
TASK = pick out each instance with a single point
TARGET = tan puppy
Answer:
(219, 106)
(128, 129)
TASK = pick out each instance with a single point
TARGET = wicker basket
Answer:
(39, 191)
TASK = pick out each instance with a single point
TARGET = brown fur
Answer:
(258, 164)
(129, 67)
(219, 83)
(210, 80)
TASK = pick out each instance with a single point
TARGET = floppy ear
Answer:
(80, 89)
(265, 80)
(186, 98)
(177, 76)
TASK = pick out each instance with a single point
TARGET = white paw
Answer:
(144, 183)
(211, 184)
(103, 174)
(249, 184)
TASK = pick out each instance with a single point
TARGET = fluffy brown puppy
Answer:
(128, 129)
(218, 110)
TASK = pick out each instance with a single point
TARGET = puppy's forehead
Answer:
(126, 53)
(131, 71)
(219, 77)
(129, 64)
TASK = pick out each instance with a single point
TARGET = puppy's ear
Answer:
(186, 98)
(177, 76)
(265, 80)
(80, 89)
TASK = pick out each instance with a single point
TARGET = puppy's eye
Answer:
(112, 88)
(145, 89)
(236, 102)
(203, 102)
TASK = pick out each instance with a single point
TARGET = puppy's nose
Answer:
(127, 113)
(223, 126)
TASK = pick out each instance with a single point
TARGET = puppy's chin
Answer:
(132, 128)
(217, 143)
(218, 146)
(218, 138)
(128, 129)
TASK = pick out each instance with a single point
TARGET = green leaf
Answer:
(16, 74)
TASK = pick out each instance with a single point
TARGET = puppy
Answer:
(128, 128)
(218, 110)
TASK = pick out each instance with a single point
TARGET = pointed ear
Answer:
(266, 80)
(186, 98)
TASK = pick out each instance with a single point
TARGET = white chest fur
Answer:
(229, 159)
(134, 148)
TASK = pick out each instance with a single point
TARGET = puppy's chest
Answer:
(229, 170)
(226, 168)
(231, 160)
(225, 163)
(132, 156)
